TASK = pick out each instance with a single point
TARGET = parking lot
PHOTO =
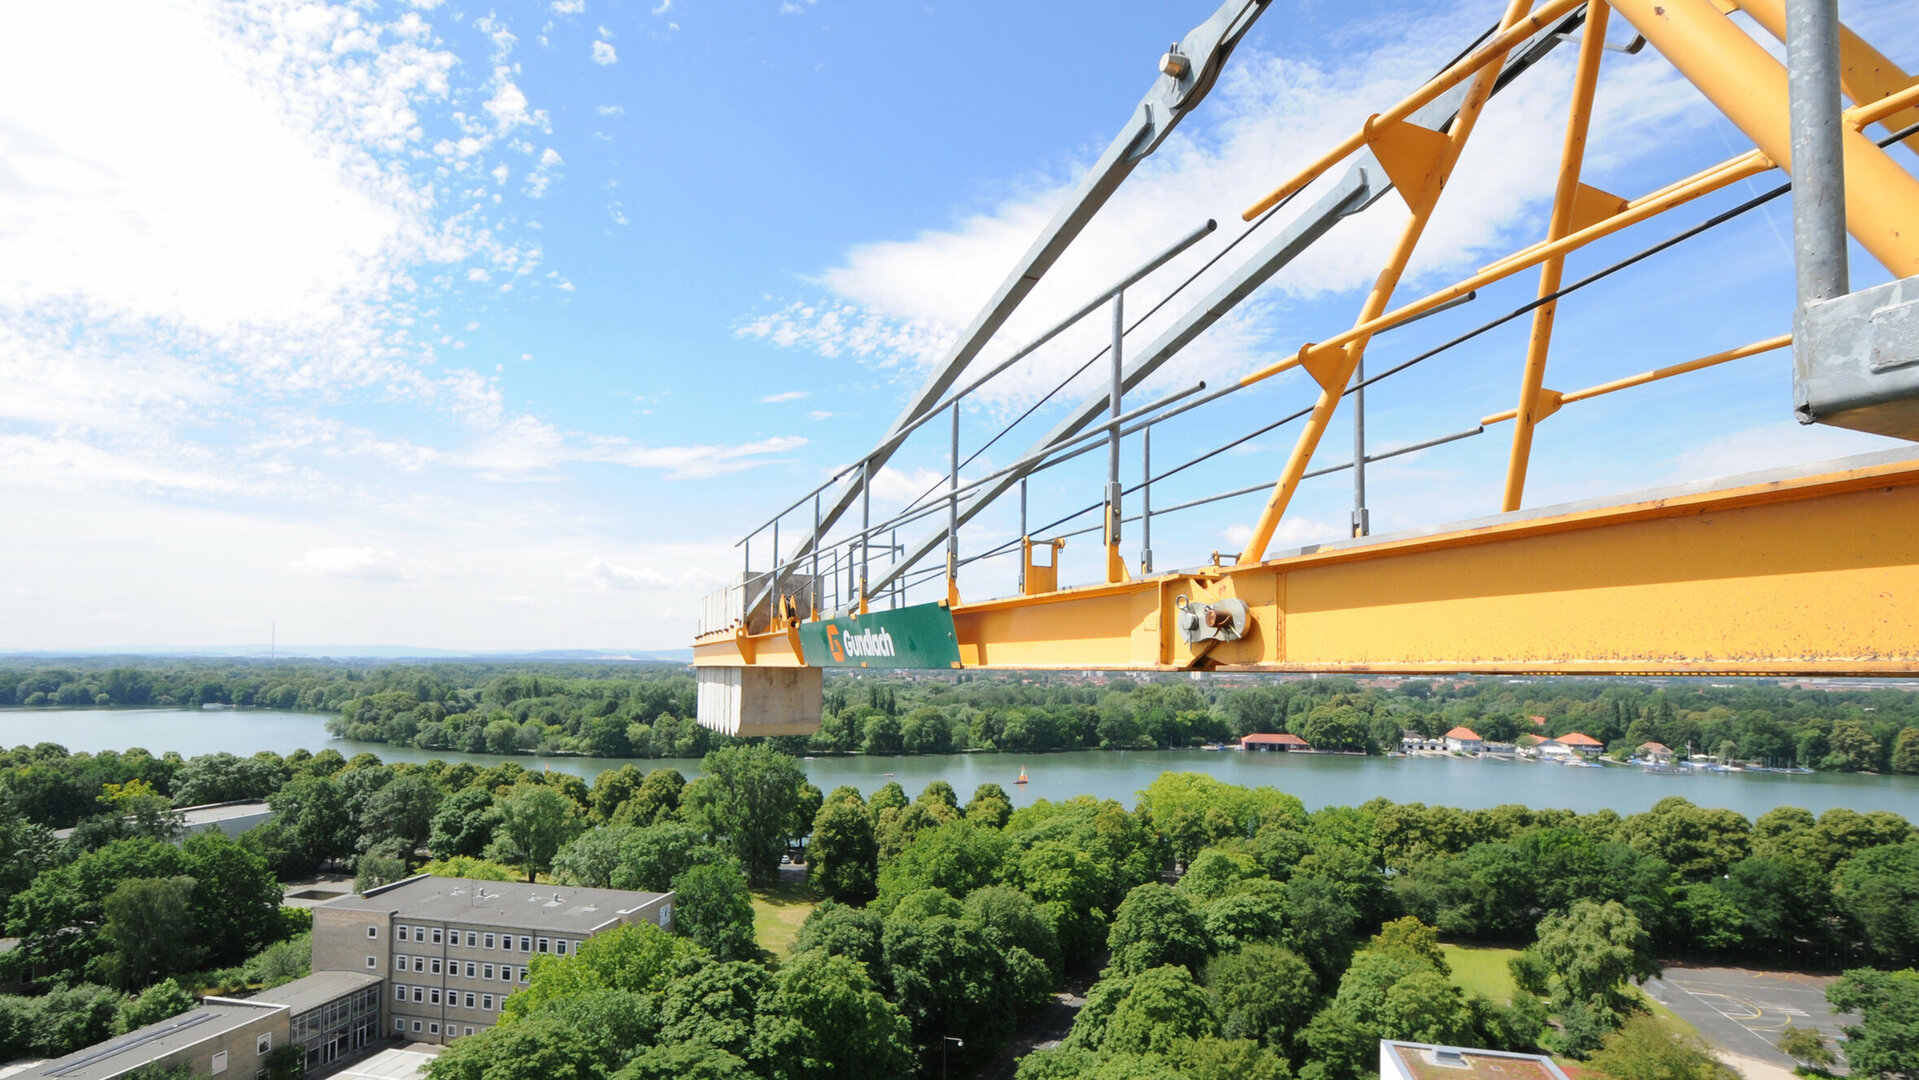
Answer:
(1744, 1011)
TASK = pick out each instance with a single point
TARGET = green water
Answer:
(1318, 780)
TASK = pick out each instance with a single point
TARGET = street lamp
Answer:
(944, 1039)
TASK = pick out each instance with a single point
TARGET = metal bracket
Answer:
(1219, 621)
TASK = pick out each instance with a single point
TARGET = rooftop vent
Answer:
(1450, 1057)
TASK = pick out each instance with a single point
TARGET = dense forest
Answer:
(646, 710)
(1228, 932)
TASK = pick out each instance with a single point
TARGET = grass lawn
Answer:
(1482, 971)
(778, 912)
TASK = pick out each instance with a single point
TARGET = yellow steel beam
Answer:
(1806, 575)
(1865, 73)
(1572, 155)
(1492, 52)
(1334, 368)
(1558, 399)
(1749, 87)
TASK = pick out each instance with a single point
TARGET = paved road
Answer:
(1744, 1011)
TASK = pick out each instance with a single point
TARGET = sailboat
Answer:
(1022, 775)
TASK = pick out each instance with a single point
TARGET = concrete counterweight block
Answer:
(751, 701)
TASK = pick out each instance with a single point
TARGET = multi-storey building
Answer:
(452, 949)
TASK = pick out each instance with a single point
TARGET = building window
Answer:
(220, 1062)
(506, 972)
(526, 944)
(419, 995)
(436, 935)
(469, 969)
(433, 1029)
(486, 1002)
(489, 941)
(469, 1031)
(472, 939)
(400, 932)
(371, 962)
(433, 996)
(469, 1001)
(522, 974)
(436, 965)
(543, 943)
(399, 1024)
(560, 947)
(263, 1044)
(486, 971)
(372, 931)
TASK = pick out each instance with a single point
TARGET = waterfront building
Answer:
(1411, 741)
(451, 950)
(1582, 744)
(1281, 742)
(327, 1015)
(1424, 1061)
(1655, 752)
(1464, 740)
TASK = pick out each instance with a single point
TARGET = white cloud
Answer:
(820, 414)
(612, 110)
(899, 303)
(662, 7)
(605, 34)
(568, 7)
(603, 53)
(356, 563)
(784, 395)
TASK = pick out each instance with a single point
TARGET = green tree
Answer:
(657, 799)
(1591, 951)
(314, 809)
(989, 807)
(843, 855)
(591, 858)
(1852, 748)
(1157, 926)
(686, 1061)
(464, 824)
(1885, 1043)
(1645, 1049)
(145, 918)
(650, 858)
(1879, 890)
(752, 798)
(373, 870)
(535, 821)
(1807, 1047)
(1905, 751)
(637, 958)
(1263, 992)
(1163, 1006)
(156, 1003)
(714, 908)
(825, 1019)
(401, 813)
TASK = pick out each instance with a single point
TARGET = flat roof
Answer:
(497, 903)
(209, 813)
(1424, 1061)
(302, 995)
(143, 1046)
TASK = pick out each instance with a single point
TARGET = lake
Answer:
(1317, 779)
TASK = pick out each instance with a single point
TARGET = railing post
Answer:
(1115, 568)
(818, 600)
(1818, 164)
(866, 524)
(1022, 534)
(1146, 500)
(1361, 523)
(952, 507)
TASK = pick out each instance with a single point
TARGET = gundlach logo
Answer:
(864, 643)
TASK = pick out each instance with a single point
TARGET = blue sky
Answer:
(494, 326)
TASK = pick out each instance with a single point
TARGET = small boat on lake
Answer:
(1022, 775)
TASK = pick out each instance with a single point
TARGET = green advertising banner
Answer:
(911, 637)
